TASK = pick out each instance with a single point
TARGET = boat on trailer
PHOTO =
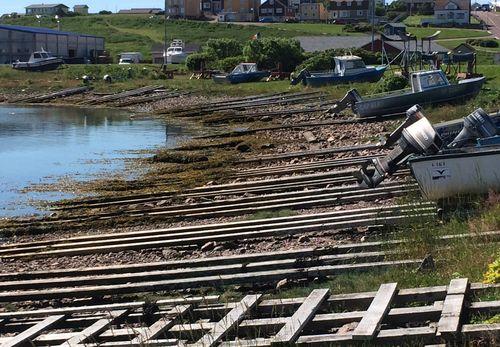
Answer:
(427, 88)
(348, 68)
(39, 61)
(243, 73)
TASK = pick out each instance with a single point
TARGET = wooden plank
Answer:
(26, 336)
(161, 325)
(295, 324)
(491, 331)
(231, 320)
(95, 329)
(379, 307)
(449, 323)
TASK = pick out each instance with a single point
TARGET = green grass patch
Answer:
(448, 33)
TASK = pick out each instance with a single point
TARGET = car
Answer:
(266, 20)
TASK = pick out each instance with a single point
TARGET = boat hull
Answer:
(50, 65)
(322, 79)
(241, 78)
(447, 175)
(394, 104)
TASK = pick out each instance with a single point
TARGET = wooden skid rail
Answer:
(244, 205)
(262, 268)
(196, 235)
(388, 315)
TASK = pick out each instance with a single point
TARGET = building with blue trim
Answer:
(18, 42)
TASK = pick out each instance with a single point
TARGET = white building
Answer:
(452, 11)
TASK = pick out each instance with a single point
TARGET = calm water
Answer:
(45, 144)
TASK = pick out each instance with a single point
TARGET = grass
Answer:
(454, 43)
(415, 20)
(313, 28)
(448, 33)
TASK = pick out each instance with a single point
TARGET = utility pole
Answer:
(165, 40)
(373, 26)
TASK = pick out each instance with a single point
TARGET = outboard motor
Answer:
(476, 125)
(301, 77)
(418, 138)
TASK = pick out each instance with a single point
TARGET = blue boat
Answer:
(349, 68)
(243, 73)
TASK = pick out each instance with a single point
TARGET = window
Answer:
(432, 81)
(460, 16)
(360, 13)
(349, 3)
(206, 6)
(344, 14)
(360, 3)
(279, 10)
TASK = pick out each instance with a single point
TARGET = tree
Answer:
(269, 52)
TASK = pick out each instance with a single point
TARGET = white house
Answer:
(452, 11)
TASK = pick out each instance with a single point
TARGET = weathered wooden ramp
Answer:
(389, 315)
(264, 269)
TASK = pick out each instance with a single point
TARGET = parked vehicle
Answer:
(349, 68)
(39, 61)
(427, 88)
(244, 72)
(130, 58)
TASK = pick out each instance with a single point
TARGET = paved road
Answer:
(492, 19)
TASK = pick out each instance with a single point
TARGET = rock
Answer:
(169, 253)
(304, 238)
(309, 136)
(337, 208)
(218, 248)
(242, 250)
(210, 183)
(243, 148)
(331, 139)
(363, 239)
(161, 202)
(208, 246)
(282, 284)
(267, 146)
(347, 328)
(189, 201)
(266, 118)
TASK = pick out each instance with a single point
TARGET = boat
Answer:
(175, 53)
(39, 61)
(349, 68)
(469, 163)
(427, 88)
(243, 73)
(472, 170)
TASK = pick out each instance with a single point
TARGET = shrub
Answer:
(228, 64)
(391, 83)
(483, 43)
(493, 273)
(197, 61)
(269, 52)
(224, 48)
(357, 28)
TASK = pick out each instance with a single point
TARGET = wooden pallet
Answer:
(431, 315)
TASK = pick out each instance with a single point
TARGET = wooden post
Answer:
(380, 306)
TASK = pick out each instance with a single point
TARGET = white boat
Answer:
(472, 170)
(39, 61)
(175, 53)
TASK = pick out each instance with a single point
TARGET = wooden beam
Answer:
(26, 336)
(232, 319)
(295, 324)
(161, 325)
(380, 306)
(95, 329)
(449, 323)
